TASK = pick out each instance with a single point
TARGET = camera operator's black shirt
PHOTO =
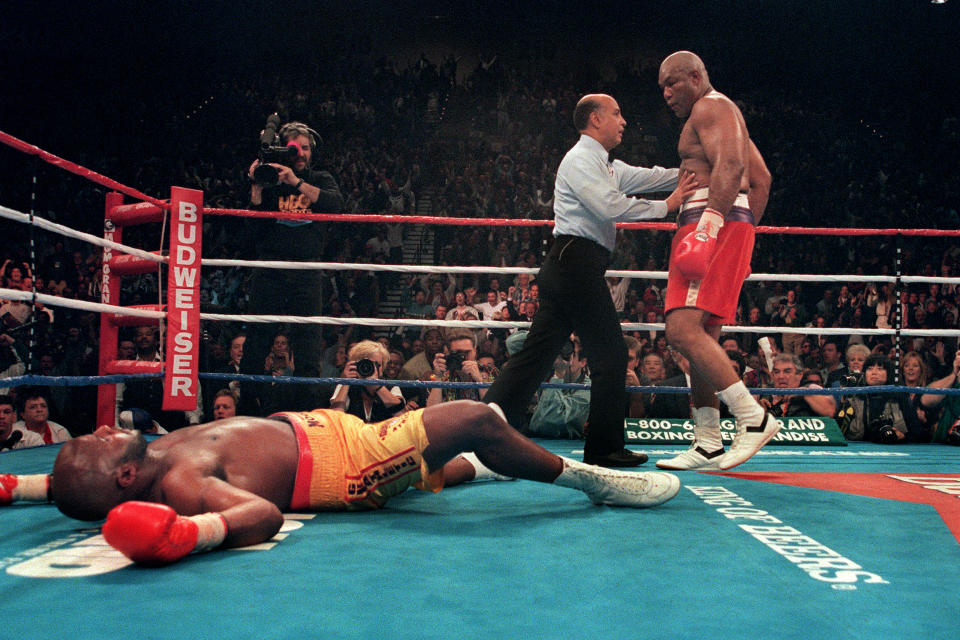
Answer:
(294, 239)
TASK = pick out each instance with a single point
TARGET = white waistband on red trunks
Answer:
(695, 205)
(699, 200)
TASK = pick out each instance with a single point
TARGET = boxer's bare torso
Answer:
(255, 455)
(714, 116)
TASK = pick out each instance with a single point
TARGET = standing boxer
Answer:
(710, 258)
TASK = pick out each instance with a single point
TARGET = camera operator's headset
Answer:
(295, 128)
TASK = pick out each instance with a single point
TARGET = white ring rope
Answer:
(16, 294)
(83, 305)
(403, 268)
(43, 223)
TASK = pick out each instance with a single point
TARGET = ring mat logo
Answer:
(81, 554)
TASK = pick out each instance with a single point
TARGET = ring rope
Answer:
(66, 165)
(17, 294)
(77, 381)
(43, 223)
(524, 222)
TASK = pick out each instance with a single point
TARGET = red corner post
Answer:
(109, 294)
(180, 382)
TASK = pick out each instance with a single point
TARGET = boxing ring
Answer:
(801, 542)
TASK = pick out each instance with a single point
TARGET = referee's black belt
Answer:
(580, 245)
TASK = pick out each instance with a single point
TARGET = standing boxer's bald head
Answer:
(684, 80)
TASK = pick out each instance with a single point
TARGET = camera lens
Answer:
(365, 367)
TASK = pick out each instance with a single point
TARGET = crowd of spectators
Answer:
(485, 143)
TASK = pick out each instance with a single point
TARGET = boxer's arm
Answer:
(722, 139)
(760, 181)
(250, 519)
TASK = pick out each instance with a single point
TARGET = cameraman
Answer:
(884, 418)
(458, 363)
(298, 188)
(370, 403)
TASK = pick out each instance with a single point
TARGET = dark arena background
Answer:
(453, 110)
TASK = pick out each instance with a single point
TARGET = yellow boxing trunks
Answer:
(347, 464)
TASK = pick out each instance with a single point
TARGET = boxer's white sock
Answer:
(742, 405)
(482, 471)
(706, 429)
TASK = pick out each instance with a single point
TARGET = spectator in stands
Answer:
(948, 426)
(851, 374)
(914, 373)
(224, 404)
(11, 438)
(787, 373)
(562, 413)
(884, 418)
(458, 363)
(34, 417)
(421, 364)
(371, 403)
(148, 394)
(830, 358)
(673, 405)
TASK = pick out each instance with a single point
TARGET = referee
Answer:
(590, 197)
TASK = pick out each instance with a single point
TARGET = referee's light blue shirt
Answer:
(590, 195)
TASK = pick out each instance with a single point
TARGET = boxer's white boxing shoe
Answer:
(748, 440)
(696, 458)
(618, 488)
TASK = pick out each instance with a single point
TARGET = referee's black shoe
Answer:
(622, 458)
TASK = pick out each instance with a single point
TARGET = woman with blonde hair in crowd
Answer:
(914, 373)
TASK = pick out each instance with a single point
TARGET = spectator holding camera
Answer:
(883, 418)
(371, 403)
(948, 427)
(851, 374)
(563, 413)
(293, 189)
(458, 363)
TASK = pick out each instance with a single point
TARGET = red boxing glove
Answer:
(15, 488)
(153, 534)
(8, 484)
(694, 251)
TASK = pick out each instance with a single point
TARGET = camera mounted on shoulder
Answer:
(277, 146)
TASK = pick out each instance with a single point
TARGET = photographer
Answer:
(884, 418)
(291, 186)
(370, 403)
(563, 413)
(458, 363)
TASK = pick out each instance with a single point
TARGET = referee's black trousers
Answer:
(573, 298)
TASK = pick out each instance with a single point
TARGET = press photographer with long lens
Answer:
(371, 403)
(884, 418)
(284, 179)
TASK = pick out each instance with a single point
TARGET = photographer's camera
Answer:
(366, 367)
